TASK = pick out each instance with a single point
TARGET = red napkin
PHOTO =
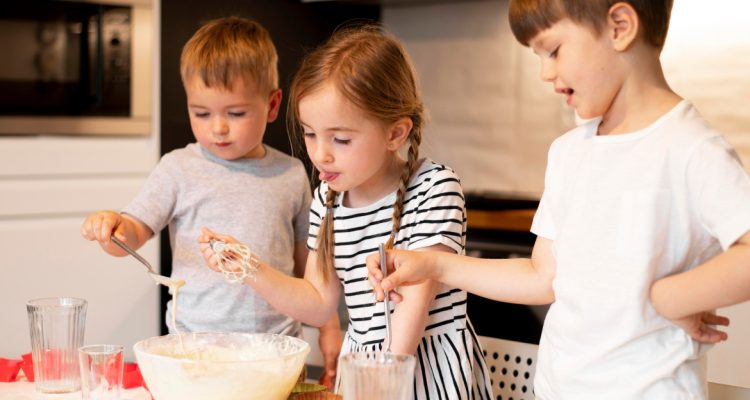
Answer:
(9, 369)
(53, 359)
(28, 367)
(131, 376)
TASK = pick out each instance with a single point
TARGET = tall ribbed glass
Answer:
(377, 376)
(56, 326)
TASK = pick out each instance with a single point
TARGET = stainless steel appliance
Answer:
(495, 234)
(72, 67)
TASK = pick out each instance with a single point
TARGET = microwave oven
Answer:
(76, 67)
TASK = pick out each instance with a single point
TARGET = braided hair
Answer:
(371, 69)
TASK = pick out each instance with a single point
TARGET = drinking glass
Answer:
(101, 371)
(56, 327)
(378, 376)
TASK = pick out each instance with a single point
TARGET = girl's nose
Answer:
(323, 154)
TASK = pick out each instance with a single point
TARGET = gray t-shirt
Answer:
(264, 203)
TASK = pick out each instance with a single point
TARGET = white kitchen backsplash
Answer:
(493, 119)
(707, 60)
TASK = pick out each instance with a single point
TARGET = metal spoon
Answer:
(156, 277)
(381, 249)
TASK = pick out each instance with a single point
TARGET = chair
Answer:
(717, 391)
(511, 366)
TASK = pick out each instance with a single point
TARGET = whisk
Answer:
(236, 261)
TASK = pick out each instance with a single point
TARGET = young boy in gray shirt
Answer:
(228, 180)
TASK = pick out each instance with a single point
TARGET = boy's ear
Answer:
(274, 103)
(399, 132)
(623, 25)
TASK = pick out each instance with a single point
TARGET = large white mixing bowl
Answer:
(222, 366)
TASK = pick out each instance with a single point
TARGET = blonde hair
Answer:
(226, 49)
(529, 17)
(370, 68)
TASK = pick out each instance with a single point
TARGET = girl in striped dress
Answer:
(356, 103)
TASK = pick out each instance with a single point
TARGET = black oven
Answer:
(515, 322)
(65, 58)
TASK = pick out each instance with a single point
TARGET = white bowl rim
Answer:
(304, 348)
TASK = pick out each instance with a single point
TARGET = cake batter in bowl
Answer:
(227, 366)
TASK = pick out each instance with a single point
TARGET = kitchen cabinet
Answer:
(47, 186)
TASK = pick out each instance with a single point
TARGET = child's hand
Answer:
(404, 267)
(101, 225)
(205, 238)
(329, 342)
(701, 326)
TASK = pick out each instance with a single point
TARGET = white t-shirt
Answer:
(623, 211)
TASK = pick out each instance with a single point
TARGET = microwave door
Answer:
(69, 59)
(91, 62)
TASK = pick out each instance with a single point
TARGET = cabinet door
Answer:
(47, 187)
(47, 257)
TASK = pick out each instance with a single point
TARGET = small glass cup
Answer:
(101, 371)
(56, 327)
(377, 376)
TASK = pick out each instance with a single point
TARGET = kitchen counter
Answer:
(506, 220)
(500, 211)
(24, 390)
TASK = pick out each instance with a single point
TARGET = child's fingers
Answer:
(373, 267)
(105, 224)
(92, 227)
(713, 319)
(708, 334)
(374, 275)
(206, 235)
(392, 281)
(209, 256)
(106, 230)
(328, 379)
(395, 296)
(103, 231)
(379, 294)
(203, 245)
(224, 238)
(86, 230)
(211, 261)
(119, 232)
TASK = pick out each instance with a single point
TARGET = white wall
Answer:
(707, 60)
(493, 119)
(48, 184)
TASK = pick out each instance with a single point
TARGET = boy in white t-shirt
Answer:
(644, 225)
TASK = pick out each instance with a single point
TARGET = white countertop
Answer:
(24, 390)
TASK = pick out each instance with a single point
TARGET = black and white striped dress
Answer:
(449, 360)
